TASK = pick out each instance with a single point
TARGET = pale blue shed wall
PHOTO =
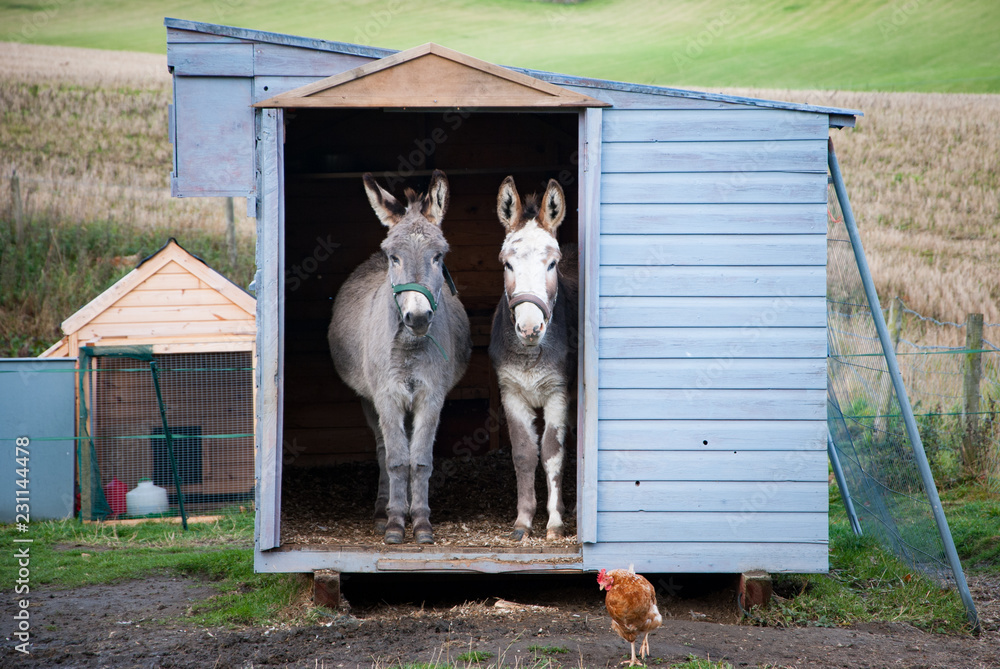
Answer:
(712, 344)
(712, 316)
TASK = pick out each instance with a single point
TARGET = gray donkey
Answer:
(399, 337)
(532, 344)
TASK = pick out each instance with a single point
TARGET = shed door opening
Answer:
(329, 471)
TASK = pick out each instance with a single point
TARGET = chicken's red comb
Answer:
(601, 575)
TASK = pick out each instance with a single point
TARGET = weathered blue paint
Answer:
(37, 401)
(712, 281)
(714, 435)
(703, 257)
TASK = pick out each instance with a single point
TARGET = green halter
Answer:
(425, 291)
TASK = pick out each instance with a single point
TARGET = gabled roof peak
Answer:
(431, 76)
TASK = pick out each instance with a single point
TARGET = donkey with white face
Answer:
(399, 337)
(531, 345)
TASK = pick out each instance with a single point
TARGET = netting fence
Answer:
(952, 372)
(183, 422)
(889, 487)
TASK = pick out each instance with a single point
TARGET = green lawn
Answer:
(912, 45)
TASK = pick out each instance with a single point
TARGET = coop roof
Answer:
(172, 301)
(260, 36)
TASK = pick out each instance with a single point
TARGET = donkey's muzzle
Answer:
(418, 322)
(529, 331)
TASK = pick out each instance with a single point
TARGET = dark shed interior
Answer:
(330, 229)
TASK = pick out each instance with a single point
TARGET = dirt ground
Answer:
(390, 621)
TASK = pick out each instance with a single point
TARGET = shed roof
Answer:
(172, 276)
(550, 77)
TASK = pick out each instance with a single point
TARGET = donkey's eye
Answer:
(394, 259)
(506, 265)
(438, 257)
(552, 265)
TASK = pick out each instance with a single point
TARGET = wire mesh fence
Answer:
(866, 424)
(952, 372)
(184, 422)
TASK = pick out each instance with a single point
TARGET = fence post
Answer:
(972, 455)
(15, 198)
(231, 233)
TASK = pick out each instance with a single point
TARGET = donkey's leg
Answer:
(553, 455)
(524, 451)
(382, 500)
(426, 415)
(392, 423)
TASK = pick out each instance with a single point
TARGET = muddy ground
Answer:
(146, 624)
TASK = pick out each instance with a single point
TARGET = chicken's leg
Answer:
(634, 661)
(644, 648)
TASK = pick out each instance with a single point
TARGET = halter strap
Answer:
(426, 292)
(532, 299)
(417, 288)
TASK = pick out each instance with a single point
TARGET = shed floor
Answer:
(473, 504)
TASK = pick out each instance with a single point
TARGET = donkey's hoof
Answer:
(520, 533)
(394, 535)
(554, 533)
(423, 536)
(380, 525)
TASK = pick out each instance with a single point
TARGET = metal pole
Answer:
(845, 494)
(170, 442)
(897, 382)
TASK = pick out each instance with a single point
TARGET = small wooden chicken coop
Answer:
(700, 221)
(200, 329)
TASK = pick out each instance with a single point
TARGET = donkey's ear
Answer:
(387, 208)
(436, 199)
(553, 207)
(509, 205)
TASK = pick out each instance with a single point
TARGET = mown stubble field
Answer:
(86, 131)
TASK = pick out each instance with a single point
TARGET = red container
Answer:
(115, 493)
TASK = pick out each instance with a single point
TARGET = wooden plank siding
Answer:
(216, 79)
(701, 224)
(214, 143)
(712, 340)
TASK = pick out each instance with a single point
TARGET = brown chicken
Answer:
(631, 603)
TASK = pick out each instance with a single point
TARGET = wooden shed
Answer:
(700, 221)
(201, 329)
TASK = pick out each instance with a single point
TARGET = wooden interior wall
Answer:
(331, 228)
(218, 401)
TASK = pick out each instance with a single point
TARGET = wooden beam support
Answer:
(755, 589)
(326, 588)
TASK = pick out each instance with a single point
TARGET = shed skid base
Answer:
(415, 559)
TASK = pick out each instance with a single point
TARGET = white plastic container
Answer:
(146, 498)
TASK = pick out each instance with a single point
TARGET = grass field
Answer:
(906, 45)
